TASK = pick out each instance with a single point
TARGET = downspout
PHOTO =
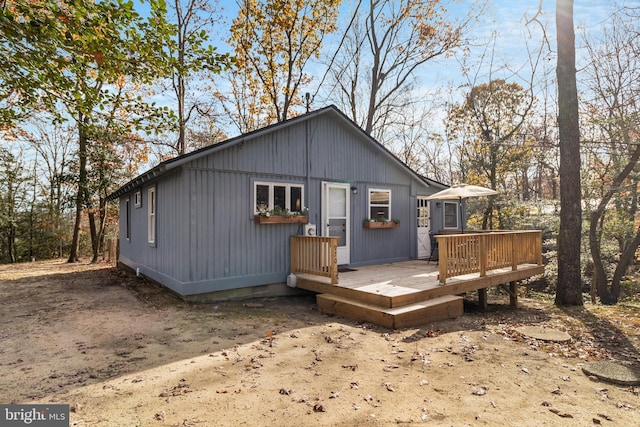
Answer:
(308, 167)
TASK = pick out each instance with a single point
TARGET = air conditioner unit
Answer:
(310, 230)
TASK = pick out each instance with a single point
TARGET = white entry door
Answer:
(336, 216)
(424, 240)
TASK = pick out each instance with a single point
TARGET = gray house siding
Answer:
(162, 261)
(206, 238)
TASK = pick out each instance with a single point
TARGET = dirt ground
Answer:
(123, 352)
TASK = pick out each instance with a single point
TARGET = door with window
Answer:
(336, 216)
(424, 239)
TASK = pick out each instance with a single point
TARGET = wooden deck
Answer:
(416, 292)
(389, 294)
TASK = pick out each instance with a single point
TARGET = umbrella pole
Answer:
(461, 220)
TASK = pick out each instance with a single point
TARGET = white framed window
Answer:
(151, 215)
(127, 218)
(137, 199)
(379, 204)
(450, 215)
(269, 196)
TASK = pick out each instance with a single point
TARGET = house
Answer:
(205, 224)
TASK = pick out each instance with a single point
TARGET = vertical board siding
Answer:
(163, 257)
(225, 241)
(205, 228)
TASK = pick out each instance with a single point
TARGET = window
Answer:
(127, 225)
(151, 209)
(450, 215)
(137, 199)
(269, 196)
(380, 204)
(423, 212)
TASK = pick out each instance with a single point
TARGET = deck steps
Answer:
(441, 308)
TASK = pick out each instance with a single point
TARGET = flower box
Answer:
(277, 219)
(380, 224)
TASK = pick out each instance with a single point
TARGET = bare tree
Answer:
(191, 55)
(386, 45)
(11, 195)
(54, 146)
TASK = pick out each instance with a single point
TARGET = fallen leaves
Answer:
(603, 392)
(319, 407)
(178, 390)
(560, 413)
(389, 387)
(480, 391)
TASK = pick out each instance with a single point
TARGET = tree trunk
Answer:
(599, 281)
(11, 226)
(621, 269)
(569, 288)
(102, 222)
(94, 236)
(11, 239)
(82, 186)
(97, 232)
(182, 121)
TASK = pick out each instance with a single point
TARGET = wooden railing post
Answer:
(293, 256)
(443, 259)
(514, 251)
(333, 244)
(483, 254)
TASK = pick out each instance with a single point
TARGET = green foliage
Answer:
(67, 52)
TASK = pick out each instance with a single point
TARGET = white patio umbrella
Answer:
(462, 191)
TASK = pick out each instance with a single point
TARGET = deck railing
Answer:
(460, 254)
(316, 255)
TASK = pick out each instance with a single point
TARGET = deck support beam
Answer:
(482, 299)
(513, 294)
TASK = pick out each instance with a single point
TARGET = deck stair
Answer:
(441, 308)
(404, 294)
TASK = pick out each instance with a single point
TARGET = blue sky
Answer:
(504, 23)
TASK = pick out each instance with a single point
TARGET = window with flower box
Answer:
(277, 197)
(380, 204)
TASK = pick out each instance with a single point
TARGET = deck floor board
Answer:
(409, 280)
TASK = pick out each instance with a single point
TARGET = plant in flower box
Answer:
(279, 215)
(380, 222)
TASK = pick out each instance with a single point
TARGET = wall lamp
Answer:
(354, 190)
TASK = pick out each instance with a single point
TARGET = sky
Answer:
(502, 29)
(503, 22)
